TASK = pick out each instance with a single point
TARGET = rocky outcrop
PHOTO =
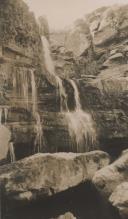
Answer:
(44, 175)
(78, 39)
(108, 24)
(119, 199)
(112, 182)
(76, 51)
(107, 179)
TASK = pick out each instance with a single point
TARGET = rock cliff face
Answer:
(21, 67)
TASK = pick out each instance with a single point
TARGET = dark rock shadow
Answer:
(83, 201)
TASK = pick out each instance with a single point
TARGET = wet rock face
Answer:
(37, 176)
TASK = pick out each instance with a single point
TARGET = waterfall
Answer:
(51, 76)
(80, 124)
(1, 112)
(21, 85)
(12, 152)
(39, 130)
(76, 95)
(63, 95)
(6, 114)
(34, 93)
(23, 82)
(47, 56)
(50, 70)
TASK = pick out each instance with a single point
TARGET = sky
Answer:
(62, 13)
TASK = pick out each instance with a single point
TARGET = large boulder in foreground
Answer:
(107, 179)
(119, 199)
(43, 175)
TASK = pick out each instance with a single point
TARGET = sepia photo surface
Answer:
(63, 109)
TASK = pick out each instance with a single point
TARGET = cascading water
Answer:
(39, 130)
(63, 96)
(6, 114)
(12, 152)
(52, 78)
(21, 85)
(1, 111)
(34, 93)
(23, 82)
(80, 124)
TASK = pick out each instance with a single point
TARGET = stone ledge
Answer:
(48, 174)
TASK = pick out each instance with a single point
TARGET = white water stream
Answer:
(39, 130)
(81, 125)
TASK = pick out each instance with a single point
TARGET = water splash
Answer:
(81, 125)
